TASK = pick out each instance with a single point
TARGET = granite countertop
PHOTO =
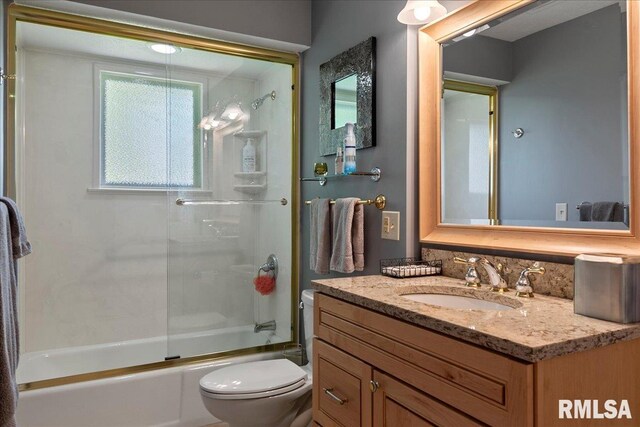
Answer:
(535, 329)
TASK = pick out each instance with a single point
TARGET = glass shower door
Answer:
(91, 171)
(222, 231)
(109, 133)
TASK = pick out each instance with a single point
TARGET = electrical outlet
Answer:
(561, 211)
(391, 225)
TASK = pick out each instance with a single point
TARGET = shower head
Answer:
(258, 102)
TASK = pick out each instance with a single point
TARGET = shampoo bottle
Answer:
(349, 150)
(249, 157)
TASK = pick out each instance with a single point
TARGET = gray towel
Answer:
(607, 211)
(20, 244)
(13, 245)
(320, 246)
(348, 236)
(585, 211)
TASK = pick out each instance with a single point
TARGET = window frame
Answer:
(146, 71)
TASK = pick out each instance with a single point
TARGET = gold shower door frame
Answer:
(19, 13)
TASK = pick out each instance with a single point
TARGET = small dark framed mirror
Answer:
(347, 95)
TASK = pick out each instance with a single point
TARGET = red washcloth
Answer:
(264, 284)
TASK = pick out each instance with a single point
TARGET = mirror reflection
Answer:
(534, 119)
(468, 147)
(345, 101)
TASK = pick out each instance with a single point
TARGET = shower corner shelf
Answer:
(253, 134)
(250, 182)
(250, 188)
(249, 175)
(375, 174)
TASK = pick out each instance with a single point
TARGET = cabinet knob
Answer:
(374, 386)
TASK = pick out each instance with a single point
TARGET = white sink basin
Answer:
(457, 301)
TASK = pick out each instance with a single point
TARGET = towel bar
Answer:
(187, 202)
(625, 207)
(380, 202)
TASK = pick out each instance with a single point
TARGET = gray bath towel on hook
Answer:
(13, 245)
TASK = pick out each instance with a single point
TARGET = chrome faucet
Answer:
(523, 285)
(497, 282)
(471, 277)
(266, 326)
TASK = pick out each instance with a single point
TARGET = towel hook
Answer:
(518, 133)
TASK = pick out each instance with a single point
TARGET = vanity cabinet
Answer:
(348, 392)
(389, 368)
(372, 369)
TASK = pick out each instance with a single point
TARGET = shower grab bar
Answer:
(200, 202)
(380, 202)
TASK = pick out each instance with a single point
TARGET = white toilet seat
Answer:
(253, 380)
(258, 395)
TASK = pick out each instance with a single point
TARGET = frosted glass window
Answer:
(149, 133)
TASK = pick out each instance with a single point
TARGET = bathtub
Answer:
(168, 397)
(36, 366)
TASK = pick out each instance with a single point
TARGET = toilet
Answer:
(266, 393)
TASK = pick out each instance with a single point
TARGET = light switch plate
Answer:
(561, 211)
(391, 225)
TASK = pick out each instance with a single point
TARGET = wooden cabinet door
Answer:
(341, 388)
(397, 404)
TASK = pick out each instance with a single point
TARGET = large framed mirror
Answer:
(527, 129)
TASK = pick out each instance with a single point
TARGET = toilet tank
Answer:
(307, 315)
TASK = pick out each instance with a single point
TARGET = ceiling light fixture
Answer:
(165, 49)
(223, 114)
(233, 110)
(421, 12)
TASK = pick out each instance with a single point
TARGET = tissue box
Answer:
(607, 287)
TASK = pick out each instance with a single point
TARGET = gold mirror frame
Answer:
(542, 240)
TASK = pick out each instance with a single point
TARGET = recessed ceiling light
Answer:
(166, 49)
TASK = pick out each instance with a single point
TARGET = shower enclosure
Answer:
(148, 230)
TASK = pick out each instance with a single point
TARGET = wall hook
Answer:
(518, 133)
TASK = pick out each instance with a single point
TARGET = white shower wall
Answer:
(113, 266)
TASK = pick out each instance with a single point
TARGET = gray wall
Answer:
(566, 95)
(480, 56)
(283, 20)
(337, 26)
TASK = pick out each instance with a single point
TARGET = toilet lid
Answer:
(262, 394)
(253, 377)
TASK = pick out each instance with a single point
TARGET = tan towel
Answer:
(348, 236)
(320, 245)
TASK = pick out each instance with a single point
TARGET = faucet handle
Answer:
(523, 285)
(471, 277)
(536, 268)
(471, 261)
